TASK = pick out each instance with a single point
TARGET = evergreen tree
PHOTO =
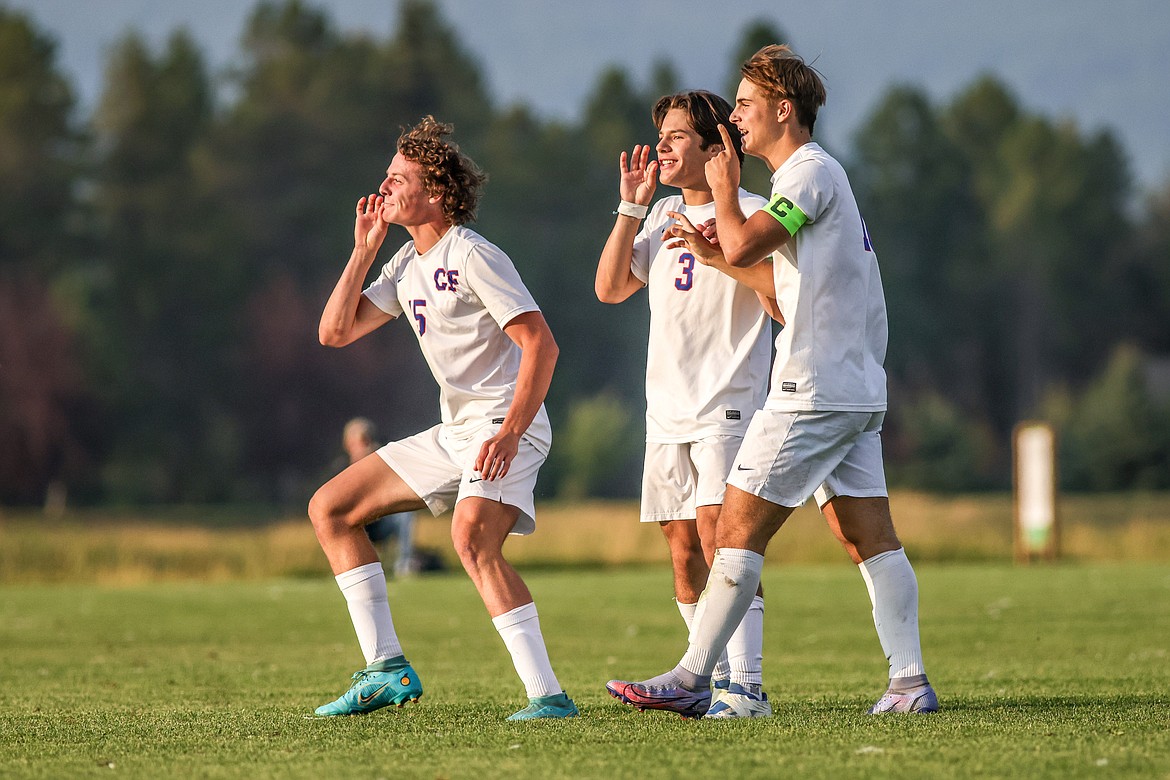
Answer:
(38, 149)
(162, 310)
(43, 389)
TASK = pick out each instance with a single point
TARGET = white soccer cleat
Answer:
(919, 700)
(735, 701)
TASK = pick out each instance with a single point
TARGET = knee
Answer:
(682, 537)
(471, 547)
(879, 536)
(688, 553)
(325, 513)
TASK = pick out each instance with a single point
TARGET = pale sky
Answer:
(1100, 66)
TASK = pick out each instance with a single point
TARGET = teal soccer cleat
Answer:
(379, 685)
(559, 705)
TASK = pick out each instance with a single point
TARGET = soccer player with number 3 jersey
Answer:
(819, 431)
(707, 363)
(492, 354)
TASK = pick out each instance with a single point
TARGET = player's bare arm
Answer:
(638, 178)
(538, 357)
(745, 240)
(348, 314)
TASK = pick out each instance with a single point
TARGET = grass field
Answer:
(1047, 671)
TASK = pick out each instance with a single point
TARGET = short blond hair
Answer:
(782, 75)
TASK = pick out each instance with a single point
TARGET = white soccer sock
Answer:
(364, 589)
(745, 649)
(734, 579)
(722, 669)
(893, 591)
(520, 630)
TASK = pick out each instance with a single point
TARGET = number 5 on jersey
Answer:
(416, 308)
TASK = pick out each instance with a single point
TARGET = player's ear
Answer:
(714, 149)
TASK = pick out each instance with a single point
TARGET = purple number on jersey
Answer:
(687, 278)
(419, 316)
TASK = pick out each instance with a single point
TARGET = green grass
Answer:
(1056, 671)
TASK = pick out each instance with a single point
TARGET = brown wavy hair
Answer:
(447, 172)
(782, 75)
(705, 112)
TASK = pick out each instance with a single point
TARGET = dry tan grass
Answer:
(95, 547)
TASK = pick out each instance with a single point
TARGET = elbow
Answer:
(612, 294)
(551, 350)
(606, 294)
(331, 338)
(545, 348)
(739, 260)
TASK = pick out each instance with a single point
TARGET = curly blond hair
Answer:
(447, 172)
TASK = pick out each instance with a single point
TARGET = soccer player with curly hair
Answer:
(492, 354)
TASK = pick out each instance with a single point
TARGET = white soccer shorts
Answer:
(678, 478)
(788, 456)
(441, 471)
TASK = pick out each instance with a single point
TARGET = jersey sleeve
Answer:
(645, 243)
(494, 280)
(750, 203)
(801, 195)
(383, 291)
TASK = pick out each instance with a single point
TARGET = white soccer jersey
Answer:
(460, 295)
(830, 353)
(707, 367)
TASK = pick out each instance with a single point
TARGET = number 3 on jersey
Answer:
(686, 279)
(416, 308)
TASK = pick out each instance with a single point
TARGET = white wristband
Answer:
(627, 209)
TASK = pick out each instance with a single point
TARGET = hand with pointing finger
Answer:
(683, 233)
(722, 170)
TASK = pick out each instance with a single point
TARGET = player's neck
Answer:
(427, 234)
(785, 146)
(696, 197)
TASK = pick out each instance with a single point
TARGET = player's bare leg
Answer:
(339, 511)
(343, 506)
(690, 564)
(866, 531)
(746, 524)
(862, 525)
(692, 545)
(687, 559)
(479, 528)
(737, 682)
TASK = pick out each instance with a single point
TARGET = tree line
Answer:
(164, 261)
